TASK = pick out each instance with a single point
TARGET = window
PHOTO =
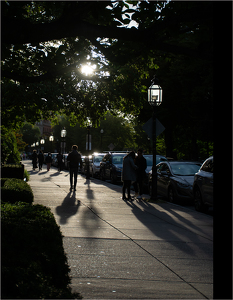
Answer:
(208, 166)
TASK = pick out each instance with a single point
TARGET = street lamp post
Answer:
(101, 135)
(155, 99)
(63, 136)
(88, 151)
(51, 139)
(42, 141)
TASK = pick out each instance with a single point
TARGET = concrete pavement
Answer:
(127, 250)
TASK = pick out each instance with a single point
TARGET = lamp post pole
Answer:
(154, 99)
(51, 139)
(63, 143)
(154, 169)
(101, 135)
(88, 152)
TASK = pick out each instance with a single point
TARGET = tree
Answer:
(43, 69)
(41, 73)
(30, 133)
(9, 150)
(116, 130)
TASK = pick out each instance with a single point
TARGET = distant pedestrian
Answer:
(59, 161)
(34, 160)
(128, 174)
(41, 159)
(74, 159)
(140, 162)
(48, 161)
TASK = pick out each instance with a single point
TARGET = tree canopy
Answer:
(46, 43)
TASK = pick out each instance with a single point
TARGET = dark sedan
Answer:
(111, 166)
(175, 179)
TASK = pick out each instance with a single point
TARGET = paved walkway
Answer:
(127, 250)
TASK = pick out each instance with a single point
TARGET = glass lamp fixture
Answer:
(155, 94)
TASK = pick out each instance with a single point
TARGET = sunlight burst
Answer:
(87, 70)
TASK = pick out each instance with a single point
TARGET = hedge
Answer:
(34, 264)
(13, 171)
(15, 190)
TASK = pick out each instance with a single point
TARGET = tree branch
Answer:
(23, 32)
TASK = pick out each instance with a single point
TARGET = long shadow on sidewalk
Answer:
(90, 220)
(167, 228)
(68, 207)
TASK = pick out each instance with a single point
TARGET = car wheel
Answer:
(171, 195)
(102, 175)
(112, 178)
(198, 203)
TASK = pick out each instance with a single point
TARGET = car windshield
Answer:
(149, 160)
(98, 158)
(184, 169)
(118, 159)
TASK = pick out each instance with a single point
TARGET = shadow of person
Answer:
(42, 172)
(68, 208)
(162, 225)
(90, 215)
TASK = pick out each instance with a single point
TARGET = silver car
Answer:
(95, 165)
(203, 186)
(175, 179)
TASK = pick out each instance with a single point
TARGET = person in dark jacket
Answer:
(74, 159)
(34, 160)
(48, 161)
(140, 162)
(41, 159)
(128, 173)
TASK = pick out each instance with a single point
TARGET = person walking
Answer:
(48, 161)
(40, 159)
(34, 160)
(128, 174)
(59, 161)
(74, 159)
(141, 163)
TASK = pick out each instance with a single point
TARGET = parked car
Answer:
(54, 159)
(175, 179)
(84, 164)
(95, 163)
(149, 161)
(203, 186)
(66, 163)
(111, 166)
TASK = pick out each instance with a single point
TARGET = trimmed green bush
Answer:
(13, 171)
(34, 264)
(26, 175)
(15, 190)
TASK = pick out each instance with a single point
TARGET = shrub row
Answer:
(15, 190)
(12, 171)
(34, 264)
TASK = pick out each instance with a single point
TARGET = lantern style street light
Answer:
(51, 139)
(155, 93)
(63, 142)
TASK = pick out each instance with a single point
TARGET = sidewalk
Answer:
(127, 250)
